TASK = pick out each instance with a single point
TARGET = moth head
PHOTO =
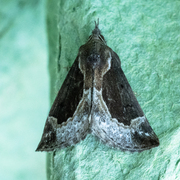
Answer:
(96, 34)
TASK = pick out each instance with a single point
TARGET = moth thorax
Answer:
(93, 61)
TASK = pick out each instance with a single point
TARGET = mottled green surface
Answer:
(23, 88)
(145, 35)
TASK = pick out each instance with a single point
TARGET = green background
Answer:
(145, 35)
(24, 88)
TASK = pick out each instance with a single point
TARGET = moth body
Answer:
(97, 98)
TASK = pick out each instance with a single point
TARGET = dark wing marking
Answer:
(69, 95)
(121, 122)
(118, 95)
(68, 121)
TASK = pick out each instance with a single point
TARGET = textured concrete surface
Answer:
(145, 35)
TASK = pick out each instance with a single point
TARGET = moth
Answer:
(97, 98)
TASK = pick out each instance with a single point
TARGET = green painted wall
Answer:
(145, 35)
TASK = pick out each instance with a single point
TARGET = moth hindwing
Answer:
(97, 98)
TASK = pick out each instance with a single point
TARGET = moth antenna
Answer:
(96, 30)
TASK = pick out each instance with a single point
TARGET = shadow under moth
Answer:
(97, 98)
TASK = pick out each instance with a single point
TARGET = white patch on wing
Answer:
(108, 63)
(113, 133)
(77, 126)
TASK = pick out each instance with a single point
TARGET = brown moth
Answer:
(97, 98)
